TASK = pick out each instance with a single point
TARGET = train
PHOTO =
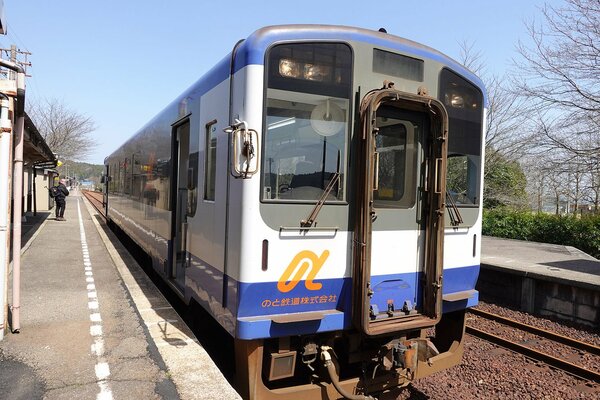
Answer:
(319, 193)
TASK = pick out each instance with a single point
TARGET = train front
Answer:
(361, 254)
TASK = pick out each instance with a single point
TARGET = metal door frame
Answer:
(172, 272)
(107, 180)
(433, 206)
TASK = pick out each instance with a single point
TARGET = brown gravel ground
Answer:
(583, 334)
(489, 372)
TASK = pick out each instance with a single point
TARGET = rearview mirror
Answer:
(244, 144)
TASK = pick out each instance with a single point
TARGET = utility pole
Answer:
(5, 168)
(12, 85)
(14, 54)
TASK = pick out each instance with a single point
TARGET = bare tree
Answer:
(509, 136)
(67, 133)
(508, 133)
(537, 180)
(592, 189)
(472, 58)
(575, 189)
(559, 71)
(556, 183)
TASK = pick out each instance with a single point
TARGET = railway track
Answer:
(96, 199)
(532, 339)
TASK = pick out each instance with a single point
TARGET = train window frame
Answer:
(413, 125)
(191, 168)
(136, 177)
(210, 161)
(126, 178)
(399, 65)
(333, 93)
(342, 71)
(463, 123)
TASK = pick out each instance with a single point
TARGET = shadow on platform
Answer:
(579, 265)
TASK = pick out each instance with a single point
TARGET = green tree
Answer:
(504, 183)
(81, 170)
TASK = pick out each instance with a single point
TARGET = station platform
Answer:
(93, 325)
(551, 280)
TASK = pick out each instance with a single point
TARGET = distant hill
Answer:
(81, 171)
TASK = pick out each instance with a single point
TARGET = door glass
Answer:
(396, 146)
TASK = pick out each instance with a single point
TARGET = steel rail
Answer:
(96, 203)
(577, 344)
(563, 365)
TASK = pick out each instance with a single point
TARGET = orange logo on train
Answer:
(304, 261)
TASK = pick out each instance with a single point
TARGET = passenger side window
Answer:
(210, 154)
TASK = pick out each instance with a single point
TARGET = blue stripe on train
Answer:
(264, 298)
(460, 280)
(262, 303)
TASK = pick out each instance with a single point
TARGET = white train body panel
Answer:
(243, 253)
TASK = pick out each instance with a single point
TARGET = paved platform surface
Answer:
(557, 263)
(93, 326)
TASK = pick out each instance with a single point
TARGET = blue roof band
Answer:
(252, 50)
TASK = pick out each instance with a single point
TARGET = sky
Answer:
(121, 62)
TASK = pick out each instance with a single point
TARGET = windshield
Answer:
(306, 127)
(305, 146)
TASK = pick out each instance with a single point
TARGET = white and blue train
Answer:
(318, 192)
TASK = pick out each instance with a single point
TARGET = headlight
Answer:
(457, 101)
(316, 72)
(460, 100)
(289, 68)
(298, 70)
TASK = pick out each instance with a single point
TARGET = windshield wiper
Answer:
(310, 220)
(455, 217)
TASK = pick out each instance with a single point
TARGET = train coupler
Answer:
(405, 355)
(309, 354)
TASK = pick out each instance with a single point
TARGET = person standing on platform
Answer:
(60, 198)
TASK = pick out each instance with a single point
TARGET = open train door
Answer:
(180, 182)
(105, 180)
(398, 249)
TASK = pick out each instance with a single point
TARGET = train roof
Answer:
(251, 51)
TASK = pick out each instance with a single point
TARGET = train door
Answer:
(179, 204)
(401, 156)
(105, 182)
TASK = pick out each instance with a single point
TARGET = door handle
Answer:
(376, 171)
(373, 215)
(438, 177)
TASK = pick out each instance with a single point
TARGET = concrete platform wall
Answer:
(569, 303)
(560, 301)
